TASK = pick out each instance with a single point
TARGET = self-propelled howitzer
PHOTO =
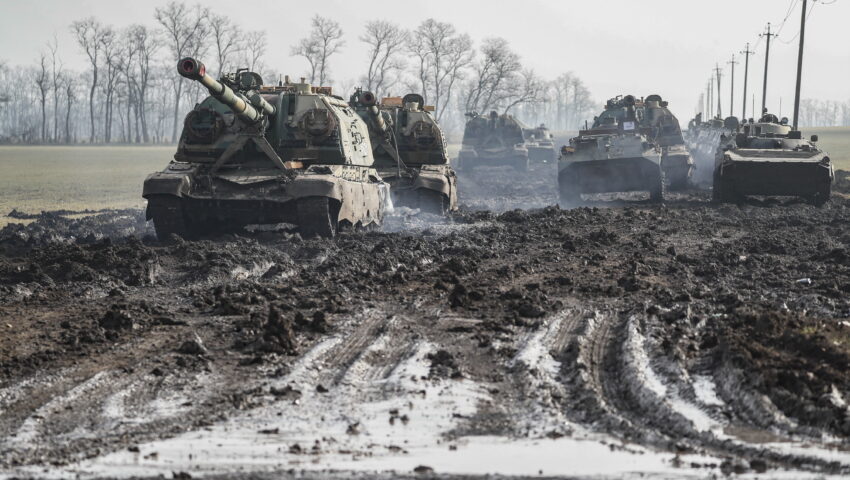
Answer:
(410, 151)
(254, 154)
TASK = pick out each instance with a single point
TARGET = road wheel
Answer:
(316, 217)
(166, 211)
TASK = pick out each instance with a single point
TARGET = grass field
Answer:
(39, 178)
(836, 142)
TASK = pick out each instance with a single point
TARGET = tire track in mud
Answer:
(622, 394)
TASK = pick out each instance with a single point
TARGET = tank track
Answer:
(316, 217)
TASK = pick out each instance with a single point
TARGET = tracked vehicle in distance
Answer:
(539, 143)
(615, 155)
(409, 150)
(769, 158)
(253, 154)
(494, 140)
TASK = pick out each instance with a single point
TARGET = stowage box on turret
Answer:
(409, 150)
(254, 154)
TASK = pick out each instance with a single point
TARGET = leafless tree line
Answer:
(129, 93)
(824, 113)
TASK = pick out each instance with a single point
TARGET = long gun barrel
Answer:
(250, 111)
(369, 100)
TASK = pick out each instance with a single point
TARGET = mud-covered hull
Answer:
(809, 179)
(196, 203)
(470, 158)
(610, 175)
(431, 188)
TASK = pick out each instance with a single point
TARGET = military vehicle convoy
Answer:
(491, 141)
(540, 143)
(254, 154)
(769, 158)
(616, 154)
(409, 150)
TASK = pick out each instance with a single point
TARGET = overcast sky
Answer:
(667, 47)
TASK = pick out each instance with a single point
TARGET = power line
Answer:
(808, 14)
(787, 15)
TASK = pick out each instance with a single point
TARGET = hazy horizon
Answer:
(614, 46)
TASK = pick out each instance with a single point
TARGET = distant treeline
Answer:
(130, 93)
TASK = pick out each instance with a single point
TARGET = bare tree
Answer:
(528, 90)
(55, 74)
(88, 33)
(255, 49)
(385, 40)
(227, 38)
(69, 84)
(146, 44)
(111, 49)
(41, 80)
(443, 54)
(495, 78)
(325, 39)
(186, 30)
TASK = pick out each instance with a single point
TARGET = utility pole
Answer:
(747, 54)
(719, 75)
(799, 65)
(766, 58)
(732, 86)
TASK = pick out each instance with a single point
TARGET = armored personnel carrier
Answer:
(254, 154)
(615, 155)
(409, 150)
(540, 143)
(769, 158)
(665, 132)
(493, 140)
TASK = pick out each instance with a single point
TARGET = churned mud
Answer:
(620, 339)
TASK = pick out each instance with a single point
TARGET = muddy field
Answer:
(620, 340)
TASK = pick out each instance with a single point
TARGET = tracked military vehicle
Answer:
(540, 143)
(253, 154)
(769, 158)
(409, 150)
(616, 154)
(703, 140)
(492, 141)
(665, 132)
